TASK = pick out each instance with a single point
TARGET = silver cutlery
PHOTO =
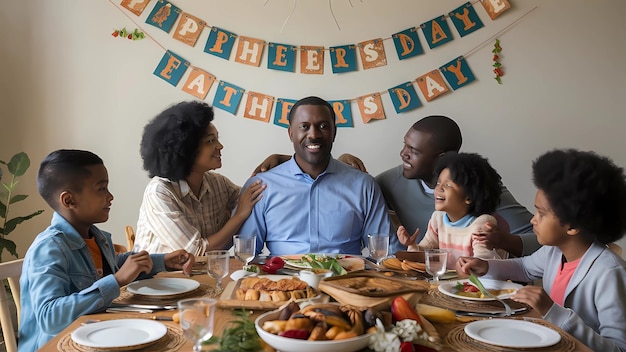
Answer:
(474, 279)
(494, 314)
(145, 306)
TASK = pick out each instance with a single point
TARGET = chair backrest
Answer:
(10, 271)
(615, 248)
(119, 249)
(130, 237)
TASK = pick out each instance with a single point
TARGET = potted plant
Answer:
(16, 167)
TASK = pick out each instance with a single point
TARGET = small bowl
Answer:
(286, 344)
(314, 276)
(240, 274)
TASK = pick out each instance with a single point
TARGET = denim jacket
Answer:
(59, 281)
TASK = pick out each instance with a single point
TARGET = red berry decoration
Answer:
(496, 61)
(115, 33)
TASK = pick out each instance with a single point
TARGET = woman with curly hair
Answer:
(185, 204)
(466, 194)
(581, 208)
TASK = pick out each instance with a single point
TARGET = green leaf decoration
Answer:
(19, 164)
(9, 246)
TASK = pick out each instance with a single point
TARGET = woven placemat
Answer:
(458, 340)
(203, 290)
(172, 341)
(436, 298)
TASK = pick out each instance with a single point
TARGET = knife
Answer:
(495, 313)
(144, 306)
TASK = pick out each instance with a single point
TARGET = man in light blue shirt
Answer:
(314, 203)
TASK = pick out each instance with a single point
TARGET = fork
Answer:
(474, 279)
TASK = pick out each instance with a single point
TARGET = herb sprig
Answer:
(239, 336)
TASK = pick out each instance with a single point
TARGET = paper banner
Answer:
(171, 68)
(259, 107)
(163, 15)
(343, 113)
(249, 51)
(404, 97)
(312, 60)
(198, 83)
(495, 8)
(437, 32)
(372, 53)
(457, 73)
(281, 114)
(371, 107)
(135, 6)
(432, 85)
(465, 19)
(343, 58)
(407, 43)
(220, 43)
(281, 57)
(189, 29)
(228, 97)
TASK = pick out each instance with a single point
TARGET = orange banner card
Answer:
(135, 6)
(259, 106)
(371, 107)
(198, 83)
(189, 29)
(312, 60)
(432, 85)
(495, 8)
(372, 53)
(249, 51)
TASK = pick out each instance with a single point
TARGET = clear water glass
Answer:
(197, 319)
(436, 263)
(378, 244)
(245, 247)
(218, 266)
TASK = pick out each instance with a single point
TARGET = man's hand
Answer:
(271, 162)
(352, 161)
(134, 265)
(180, 260)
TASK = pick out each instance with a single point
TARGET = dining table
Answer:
(224, 315)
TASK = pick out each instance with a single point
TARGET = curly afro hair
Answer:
(481, 183)
(171, 140)
(585, 190)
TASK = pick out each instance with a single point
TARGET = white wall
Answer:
(67, 83)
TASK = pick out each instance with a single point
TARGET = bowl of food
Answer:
(296, 334)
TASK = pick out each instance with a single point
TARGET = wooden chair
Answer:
(10, 271)
(119, 249)
(130, 237)
(615, 248)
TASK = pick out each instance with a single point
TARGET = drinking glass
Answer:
(436, 260)
(196, 319)
(378, 244)
(217, 266)
(245, 247)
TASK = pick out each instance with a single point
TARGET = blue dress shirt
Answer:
(331, 214)
(59, 281)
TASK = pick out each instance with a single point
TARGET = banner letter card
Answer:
(220, 43)
(437, 32)
(495, 7)
(228, 97)
(198, 83)
(259, 107)
(163, 15)
(312, 60)
(250, 51)
(171, 68)
(457, 73)
(281, 114)
(343, 58)
(343, 113)
(465, 19)
(372, 53)
(281, 57)
(432, 85)
(189, 29)
(404, 97)
(371, 107)
(407, 43)
(135, 6)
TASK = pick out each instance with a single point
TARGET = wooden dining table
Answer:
(225, 315)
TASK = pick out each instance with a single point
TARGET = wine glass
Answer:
(378, 244)
(436, 261)
(217, 266)
(245, 247)
(196, 319)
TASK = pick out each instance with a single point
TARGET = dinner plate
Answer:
(162, 287)
(512, 333)
(295, 260)
(119, 334)
(449, 288)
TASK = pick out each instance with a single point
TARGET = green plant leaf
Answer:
(9, 246)
(11, 224)
(18, 197)
(19, 164)
(3, 210)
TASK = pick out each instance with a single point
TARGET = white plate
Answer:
(512, 333)
(286, 344)
(449, 288)
(162, 287)
(119, 334)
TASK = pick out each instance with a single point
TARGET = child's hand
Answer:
(489, 236)
(134, 265)
(534, 296)
(467, 265)
(405, 238)
(180, 260)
